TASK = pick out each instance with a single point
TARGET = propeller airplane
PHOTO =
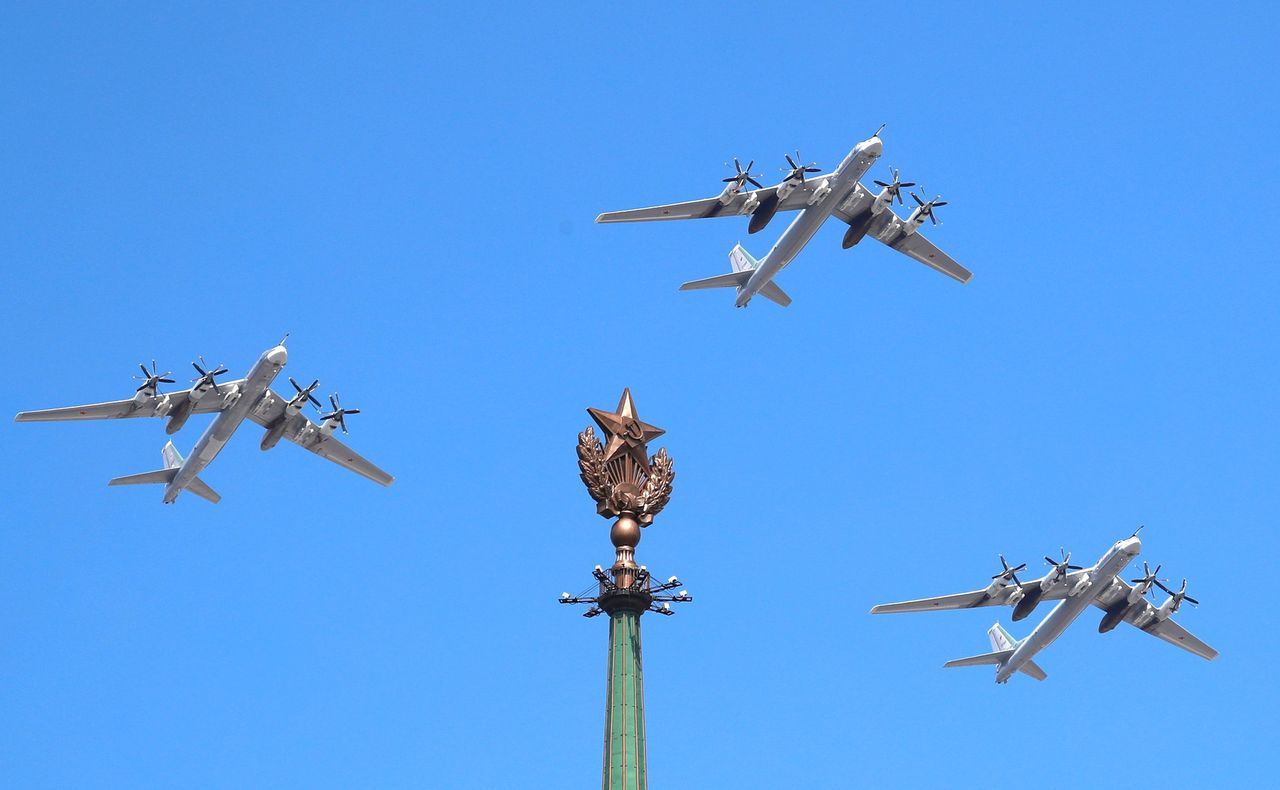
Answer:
(233, 401)
(1074, 588)
(816, 199)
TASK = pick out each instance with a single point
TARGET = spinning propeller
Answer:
(1009, 573)
(926, 209)
(743, 177)
(150, 378)
(1060, 568)
(797, 170)
(206, 376)
(338, 412)
(895, 189)
(304, 393)
(1180, 595)
(1149, 576)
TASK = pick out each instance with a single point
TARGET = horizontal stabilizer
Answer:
(774, 294)
(731, 280)
(164, 476)
(201, 489)
(998, 657)
(1033, 669)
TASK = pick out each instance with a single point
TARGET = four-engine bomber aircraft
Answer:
(816, 199)
(232, 401)
(1075, 588)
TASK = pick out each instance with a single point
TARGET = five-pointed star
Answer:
(625, 432)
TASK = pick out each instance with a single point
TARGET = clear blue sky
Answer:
(410, 191)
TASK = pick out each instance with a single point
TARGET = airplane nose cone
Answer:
(278, 356)
(874, 146)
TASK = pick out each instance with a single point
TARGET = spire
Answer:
(630, 487)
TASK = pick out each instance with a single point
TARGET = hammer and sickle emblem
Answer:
(632, 430)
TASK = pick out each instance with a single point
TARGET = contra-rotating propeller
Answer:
(304, 393)
(1009, 573)
(150, 378)
(743, 177)
(798, 170)
(1148, 576)
(1060, 568)
(338, 412)
(895, 188)
(1180, 595)
(207, 376)
(927, 208)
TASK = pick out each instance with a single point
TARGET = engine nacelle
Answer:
(750, 205)
(272, 437)
(857, 229)
(1137, 593)
(1080, 586)
(1028, 604)
(822, 191)
(786, 188)
(1016, 596)
(1113, 617)
(730, 191)
(178, 417)
(761, 216)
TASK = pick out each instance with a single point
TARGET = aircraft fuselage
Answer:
(1069, 608)
(215, 437)
(841, 182)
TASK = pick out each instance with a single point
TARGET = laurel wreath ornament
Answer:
(591, 463)
(657, 489)
(614, 496)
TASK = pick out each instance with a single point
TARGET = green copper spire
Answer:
(630, 487)
(624, 758)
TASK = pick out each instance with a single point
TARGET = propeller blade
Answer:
(908, 184)
(757, 183)
(937, 203)
(145, 372)
(788, 158)
(350, 411)
(1190, 599)
(880, 184)
(730, 178)
(917, 199)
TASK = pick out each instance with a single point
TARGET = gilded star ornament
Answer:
(626, 434)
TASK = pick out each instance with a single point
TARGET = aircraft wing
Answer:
(1167, 630)
(968, 600)
(155, 406)
(888, 232)
(918, 247)
(303, 432)
(712, 207)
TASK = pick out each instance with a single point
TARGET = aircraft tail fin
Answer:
(172, 458)
(1000, 638)
(743, 265)
(172, 463)
(741, 260)
(997, 658)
